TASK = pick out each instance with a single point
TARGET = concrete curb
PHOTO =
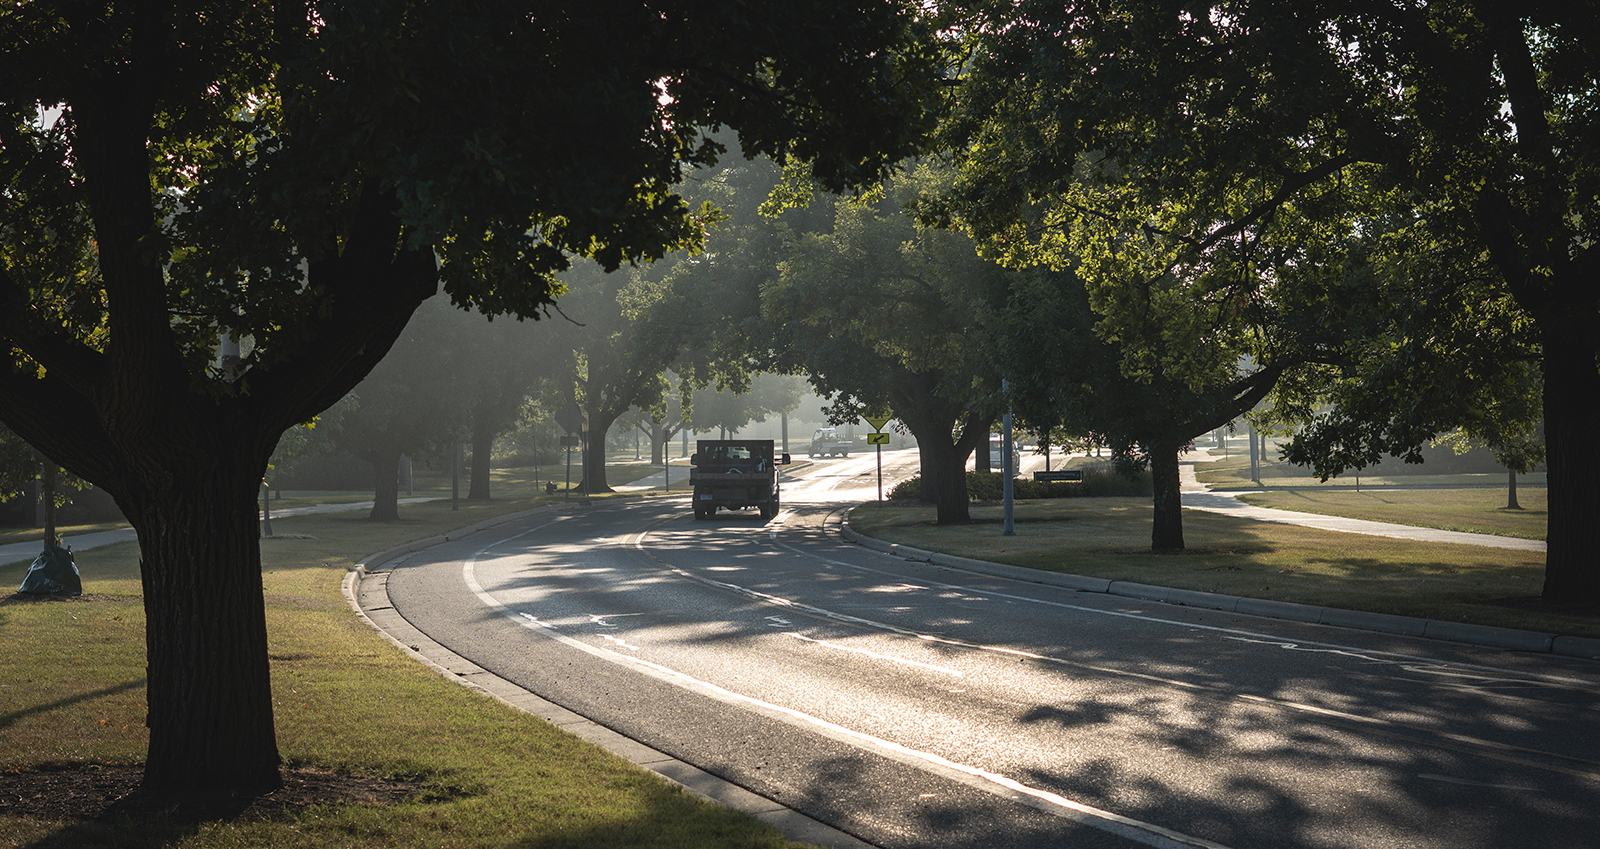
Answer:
(365, 588)
(1455, 632)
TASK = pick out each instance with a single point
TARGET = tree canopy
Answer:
(1451, 142)
(882, 313)
(302, 175)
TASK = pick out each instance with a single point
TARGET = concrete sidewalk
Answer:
(1196, 496)
(25, 552)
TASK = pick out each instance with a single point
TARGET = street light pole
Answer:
(1006, 484)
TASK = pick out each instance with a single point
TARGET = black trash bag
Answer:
(53, 572)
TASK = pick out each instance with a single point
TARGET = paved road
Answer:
(911, 705)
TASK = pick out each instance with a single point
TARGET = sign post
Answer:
(571, 420)
(878, 439)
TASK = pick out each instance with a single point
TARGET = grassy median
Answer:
(1110, 538)
(467, 770)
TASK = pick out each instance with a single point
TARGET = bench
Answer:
(1060, 475)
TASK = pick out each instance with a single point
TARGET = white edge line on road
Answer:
(1408, 663)
(1147, 834)
(1411, 663)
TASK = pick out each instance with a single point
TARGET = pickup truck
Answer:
(827, 442)
(735, 474)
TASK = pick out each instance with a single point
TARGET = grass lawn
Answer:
(1478, 511)
(1110, 538)
(346, 702)
(1233, 473)
(1474, 503)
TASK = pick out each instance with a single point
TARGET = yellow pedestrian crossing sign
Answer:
(878, 438)
(877, 423)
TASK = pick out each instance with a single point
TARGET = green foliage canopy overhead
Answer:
(300, 176)
(1453, 141)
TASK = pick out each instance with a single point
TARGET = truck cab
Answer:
(735, 474)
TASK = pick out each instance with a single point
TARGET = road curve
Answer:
(911, 705)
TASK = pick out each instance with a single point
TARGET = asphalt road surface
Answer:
(912, 705)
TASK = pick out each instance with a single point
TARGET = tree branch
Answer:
(76, 365)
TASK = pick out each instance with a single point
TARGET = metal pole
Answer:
(1255, 470)
(879, 446)
(1005, 475)
(266, 508)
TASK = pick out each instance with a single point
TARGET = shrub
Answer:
(525, 457)
(988, 486)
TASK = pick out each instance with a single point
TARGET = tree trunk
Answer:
(658, 444)
(209, 686)
(1571, 407)
(944, 479)
(594, 458)
(1166, 531)
(943, 457)
(1511, 490)
(482, 448)
(385, 485)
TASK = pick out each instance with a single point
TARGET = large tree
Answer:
(880, 312)
(709, 305)
(718, 407)
(503, 364)
(631, 325)
(1062, 375)
(735, 407)
(1479, 117)
(303, 175)
(419, 399)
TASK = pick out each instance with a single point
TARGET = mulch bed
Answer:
(109, 791)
